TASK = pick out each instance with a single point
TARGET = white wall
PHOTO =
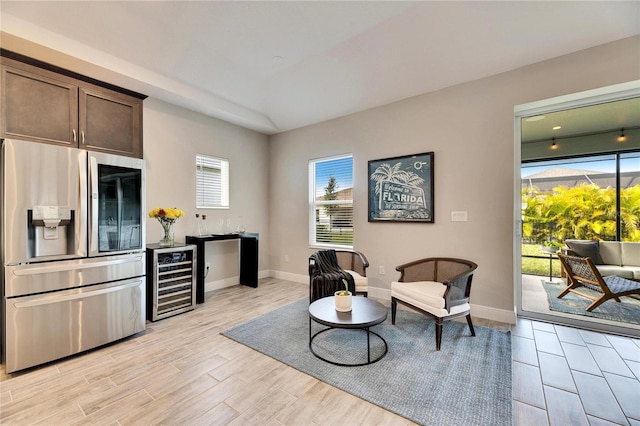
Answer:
(172, 138)
(470, 129)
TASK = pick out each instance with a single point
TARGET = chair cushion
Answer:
(611, 252)
(362, 285)
(584, 248)
(620, 285)
(630, 253)
(621, 271)
(426, 295)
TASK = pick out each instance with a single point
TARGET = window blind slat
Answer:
(212, 182)
(331, 201)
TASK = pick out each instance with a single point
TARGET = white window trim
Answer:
(224, 182)
(313, 203)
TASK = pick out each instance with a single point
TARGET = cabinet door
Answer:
(37, 107)
(110, 122)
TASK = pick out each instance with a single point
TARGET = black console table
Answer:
(248, 258)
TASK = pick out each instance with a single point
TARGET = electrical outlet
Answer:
(286, 257)
(381, 269)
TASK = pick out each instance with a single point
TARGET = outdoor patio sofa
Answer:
(621, 258)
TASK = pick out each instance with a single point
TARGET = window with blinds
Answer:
(331, 202)
(212, 182)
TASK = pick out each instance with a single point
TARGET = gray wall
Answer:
(470, 129)
(468, 126)
(172, 137)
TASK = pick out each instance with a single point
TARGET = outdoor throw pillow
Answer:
(585, 248)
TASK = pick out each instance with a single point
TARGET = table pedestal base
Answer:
(369, 333)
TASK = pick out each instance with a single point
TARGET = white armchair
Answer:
(436, 287)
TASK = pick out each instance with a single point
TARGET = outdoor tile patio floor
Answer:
(567, 376)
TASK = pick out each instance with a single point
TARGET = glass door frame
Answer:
(97, 159)
(575, 100)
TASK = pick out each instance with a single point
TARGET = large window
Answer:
(331, 202)
(629, 201)
(212, 182)
(589, 198)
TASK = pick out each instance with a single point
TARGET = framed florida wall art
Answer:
(401, 189)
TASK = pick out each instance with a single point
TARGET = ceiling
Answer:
(273, 66)
(588, 120)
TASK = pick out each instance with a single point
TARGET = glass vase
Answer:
(240, 227)
(167, 236)
(202, 226)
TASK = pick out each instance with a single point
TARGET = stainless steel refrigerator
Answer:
(73, 262)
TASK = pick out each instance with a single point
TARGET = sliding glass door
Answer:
(585, 198)
(629, 224)
(574, 184)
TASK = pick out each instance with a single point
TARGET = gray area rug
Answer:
(467, 383)
(628, 310)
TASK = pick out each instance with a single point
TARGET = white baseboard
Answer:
(229, 282)
(380, 293)
(296, 278)
(264, 274)
(493, 314)
(479, 311)
(217, 285)
(485, 312)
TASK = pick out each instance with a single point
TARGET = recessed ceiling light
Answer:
(557, 127)
(535, 118)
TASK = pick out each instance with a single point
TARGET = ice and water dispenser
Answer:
(50, 231)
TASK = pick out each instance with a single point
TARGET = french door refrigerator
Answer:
(73, 261)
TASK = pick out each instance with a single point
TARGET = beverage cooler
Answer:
(171, 283)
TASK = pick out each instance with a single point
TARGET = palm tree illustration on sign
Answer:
(397, 191)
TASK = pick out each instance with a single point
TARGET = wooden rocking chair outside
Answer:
(581, 272)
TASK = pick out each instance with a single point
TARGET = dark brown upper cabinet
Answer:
(45, 104)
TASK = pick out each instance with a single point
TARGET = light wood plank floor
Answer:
(182, 371)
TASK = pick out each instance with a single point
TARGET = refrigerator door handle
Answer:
(46, 269)
(46, 300)
(93, 209)
(82, 236)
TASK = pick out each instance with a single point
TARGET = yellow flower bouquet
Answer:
(167, 217)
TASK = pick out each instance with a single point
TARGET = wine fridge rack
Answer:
(171, 280)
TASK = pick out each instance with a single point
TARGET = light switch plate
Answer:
(459, 216)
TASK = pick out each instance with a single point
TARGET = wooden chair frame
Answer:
(347, 259)
(582, 272)
(429, 269)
